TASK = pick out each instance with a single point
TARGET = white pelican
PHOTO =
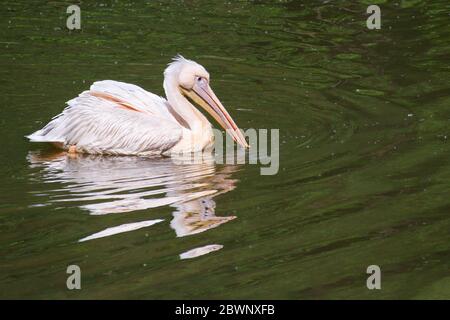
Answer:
(123, 119)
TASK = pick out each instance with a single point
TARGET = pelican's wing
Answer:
(133, 96)
(112, 125)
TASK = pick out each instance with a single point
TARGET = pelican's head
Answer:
(192, 80)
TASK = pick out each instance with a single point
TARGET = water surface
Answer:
(364, 173)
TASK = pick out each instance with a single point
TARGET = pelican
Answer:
(118, 118)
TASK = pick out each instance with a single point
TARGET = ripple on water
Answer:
(110, 185)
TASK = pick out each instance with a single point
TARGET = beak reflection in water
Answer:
(111, 185)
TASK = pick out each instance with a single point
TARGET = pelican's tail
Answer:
(39, 136)
(47, 134)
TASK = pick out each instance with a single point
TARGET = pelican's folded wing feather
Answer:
(103, 126)
(134, 96)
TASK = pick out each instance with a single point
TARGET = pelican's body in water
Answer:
(123, 119)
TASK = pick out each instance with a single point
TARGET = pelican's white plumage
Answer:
(120, 118)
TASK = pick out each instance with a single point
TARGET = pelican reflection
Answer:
(105, 185)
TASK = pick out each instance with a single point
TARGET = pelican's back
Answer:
(113, 118)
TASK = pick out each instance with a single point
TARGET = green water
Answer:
(364, 119)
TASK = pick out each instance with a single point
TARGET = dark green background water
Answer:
(364, 118)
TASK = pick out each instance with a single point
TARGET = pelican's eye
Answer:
(201, 80)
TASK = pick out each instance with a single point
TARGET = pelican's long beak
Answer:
(203, 95)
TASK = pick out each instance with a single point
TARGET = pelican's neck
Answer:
(184, 111)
